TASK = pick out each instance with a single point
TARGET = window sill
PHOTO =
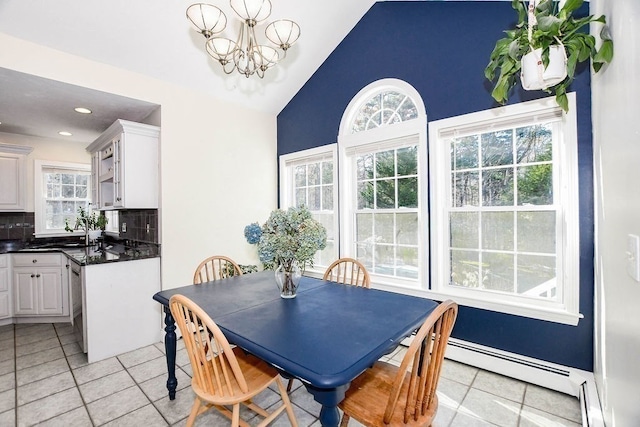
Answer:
(523, 310)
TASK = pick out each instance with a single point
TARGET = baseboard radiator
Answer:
(571, 381)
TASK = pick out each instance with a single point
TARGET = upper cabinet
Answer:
(13, 172)
(125, 166)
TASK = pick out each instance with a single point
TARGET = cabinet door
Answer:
(118, 175)
(12, 182)
(24, 287)
(95, 181)
(49, 291)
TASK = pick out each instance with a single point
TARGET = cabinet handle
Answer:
(33, 275)
(118, 199)
(37, 275)
(34, 261)
(76, 273)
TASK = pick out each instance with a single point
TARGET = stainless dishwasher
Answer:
(77, 304)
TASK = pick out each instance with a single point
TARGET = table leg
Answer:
(329, 399)
(170, 349)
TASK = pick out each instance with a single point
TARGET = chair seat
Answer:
(257, 373)
(367, 397)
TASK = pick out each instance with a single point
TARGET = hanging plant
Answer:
(545, 30)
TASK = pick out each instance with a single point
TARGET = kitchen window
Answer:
(60, 189)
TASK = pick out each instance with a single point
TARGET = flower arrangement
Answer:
(287, 236)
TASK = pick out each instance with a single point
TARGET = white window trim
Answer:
(567, 309)
(39, 205)
(349, 142)
(287, 196)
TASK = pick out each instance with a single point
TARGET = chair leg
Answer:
(195, 409)
(345, 420)
(287, 402)
(235, 419)
(289, 385)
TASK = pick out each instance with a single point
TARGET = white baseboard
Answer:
(571, 381)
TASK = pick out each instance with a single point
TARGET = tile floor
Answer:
(45, 380)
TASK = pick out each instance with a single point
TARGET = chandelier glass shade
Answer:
(245, 54)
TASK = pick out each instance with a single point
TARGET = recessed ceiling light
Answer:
(82, 110)
(64, 133)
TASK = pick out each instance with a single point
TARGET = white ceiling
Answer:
(154, 38)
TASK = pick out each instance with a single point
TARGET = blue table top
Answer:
(327, 335)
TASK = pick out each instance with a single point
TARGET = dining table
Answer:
(326, 336)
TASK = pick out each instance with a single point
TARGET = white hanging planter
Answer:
(535, 76)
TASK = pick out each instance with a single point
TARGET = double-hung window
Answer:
(60, 189)
(308, 178)
(504, 193)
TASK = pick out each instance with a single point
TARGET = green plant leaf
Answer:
(605, 54)
(561, 99)
(572, 60)
(520, 8)
(549, 24)
(572, 5)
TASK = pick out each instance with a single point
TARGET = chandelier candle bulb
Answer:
(245, 55)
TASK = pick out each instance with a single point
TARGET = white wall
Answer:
(616, 128)
(218, 161)
(46, 149)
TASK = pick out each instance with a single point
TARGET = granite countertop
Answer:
(86, 255)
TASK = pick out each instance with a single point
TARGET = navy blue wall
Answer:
(441, 49)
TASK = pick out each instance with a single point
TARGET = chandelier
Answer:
(245, 54)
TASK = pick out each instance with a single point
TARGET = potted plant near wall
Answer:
(544, 49)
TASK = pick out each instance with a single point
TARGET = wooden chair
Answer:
(386, 395)
(348, 271)
(223, 376)
(214, 268)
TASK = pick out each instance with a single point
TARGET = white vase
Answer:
(288, 279)
(533, 74)
(94, 234)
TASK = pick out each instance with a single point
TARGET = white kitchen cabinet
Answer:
(38, 285)
(126, 166)
(5, 289)
(13, 177)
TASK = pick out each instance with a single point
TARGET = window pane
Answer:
(300, 173)
(537, 276)
(314, 198)
(534, 144)
(313, 171)
(327, 172)
(465, 269)
(408, 192)
(365, 195)
(497, 230)
(68, 178)
(364, 228)
(365, 167)
(384, 260)
(465, 188)
(53, 191)
(497, 148)
(407, 263)
(497, 187)
(68, 191)
(82, 179)
(301, 197)
(535, 185)
(497, 271)
(407, 228)
(465, 153)
(408, 161)
(384, 109)
(536, 232)
(464, 230)
(385, 164)
(386, 194)
(81, 192)
(384, 228)
(327, 197)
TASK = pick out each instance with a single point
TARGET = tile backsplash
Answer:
(141, 225)
(16, 225)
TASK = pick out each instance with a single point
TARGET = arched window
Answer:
(382, 169)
